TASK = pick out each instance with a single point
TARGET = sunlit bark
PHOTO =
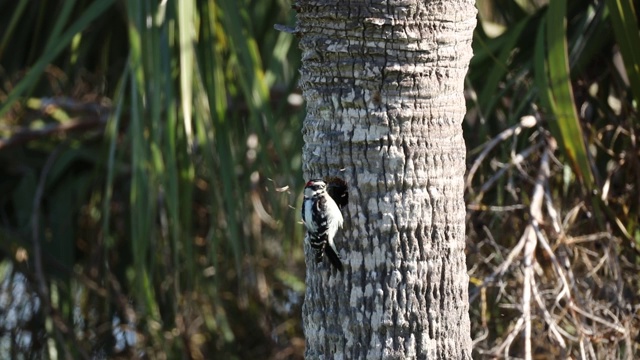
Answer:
(383, 81)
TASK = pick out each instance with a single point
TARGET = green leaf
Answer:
(625, 26)
(566, 126)
(55, 46)
(487, 98)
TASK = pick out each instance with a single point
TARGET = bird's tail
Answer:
(333, 257)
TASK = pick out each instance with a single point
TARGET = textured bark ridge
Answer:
(383, 82)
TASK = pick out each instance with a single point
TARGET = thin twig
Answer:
(553, 326)
(500, 270)
(529, 249)
(525, 122)
(35, 229)
(90, 116)
(506, 345)
(43, 291)
(517, 159)
(619, 328)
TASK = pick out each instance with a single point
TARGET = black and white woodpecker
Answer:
(322, 218)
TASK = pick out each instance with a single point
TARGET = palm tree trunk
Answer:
(383, 81)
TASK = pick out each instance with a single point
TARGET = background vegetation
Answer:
(150, 170)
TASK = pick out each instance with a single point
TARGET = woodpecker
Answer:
(322, 218)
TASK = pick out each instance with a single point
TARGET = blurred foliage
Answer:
(553, 191)
(150, 166)
(146, 155)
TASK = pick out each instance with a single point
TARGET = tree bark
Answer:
(383, 81)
